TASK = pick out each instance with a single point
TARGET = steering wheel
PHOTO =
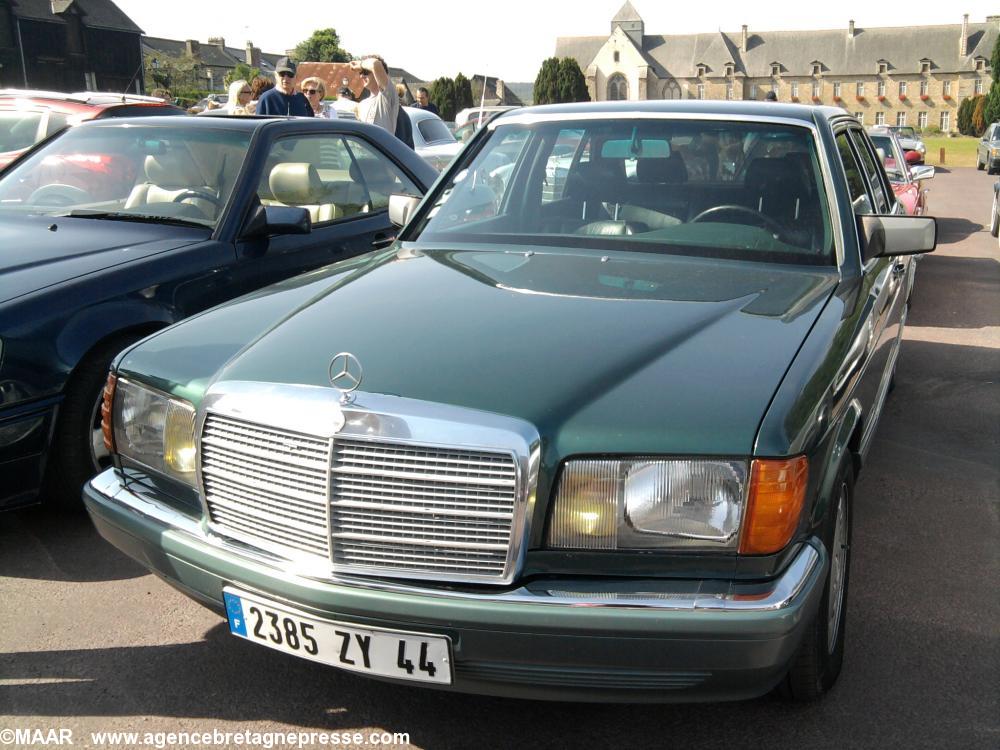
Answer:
(203, 194)
(59, 195)
(765, 221)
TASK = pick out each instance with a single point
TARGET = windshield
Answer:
(18, 130)
(740, 190)
(906, 132)
(434, 131)
(171, 171)
(893, 169)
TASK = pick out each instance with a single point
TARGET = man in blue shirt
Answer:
(283, 99)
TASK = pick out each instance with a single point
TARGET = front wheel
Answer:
(979, 165)
(821, 655)
(77, 452)
(995, 216)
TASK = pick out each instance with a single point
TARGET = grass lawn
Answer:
(958, 152)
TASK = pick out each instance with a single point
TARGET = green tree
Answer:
(992, 111)
(965, 116)
(463, 93)
(547, 82)
(242, 71)
(442, 93)
(322, 46)
(572, 85)
(979, 122)
(174, 73)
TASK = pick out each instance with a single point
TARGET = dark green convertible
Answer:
(588, 430)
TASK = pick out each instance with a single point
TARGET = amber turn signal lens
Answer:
(777, 494)
(107, 404)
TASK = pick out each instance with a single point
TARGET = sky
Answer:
(508, 39)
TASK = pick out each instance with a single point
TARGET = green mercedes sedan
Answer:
(589, 428)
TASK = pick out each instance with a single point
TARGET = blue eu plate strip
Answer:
(234, 608)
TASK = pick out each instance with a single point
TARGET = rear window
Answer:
(19, 130)
(741, 190)
(434, 131)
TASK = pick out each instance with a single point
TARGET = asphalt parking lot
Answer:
(90, 642)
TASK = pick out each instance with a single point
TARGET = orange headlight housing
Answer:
(774, 505)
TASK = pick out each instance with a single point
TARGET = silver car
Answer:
(432, 140)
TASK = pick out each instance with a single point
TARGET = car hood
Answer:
(39, 251)
(643, 352)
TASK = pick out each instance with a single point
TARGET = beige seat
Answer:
(171, 179)
(298, 184)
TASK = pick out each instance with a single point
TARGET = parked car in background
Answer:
(988, 150)
(911, 142)
(432, 140)
(906, 180)
(208, 103)
(120, 227)
(27, 117)
(480, 114)
(592, 444)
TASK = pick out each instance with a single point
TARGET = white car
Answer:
(432, 140)
(474, 113)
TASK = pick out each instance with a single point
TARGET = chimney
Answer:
(995, 20)
(192, 47)
(963, 43)
(218, 41)
(850, 29)
(500, 91)
(252, 55)
(743, 39)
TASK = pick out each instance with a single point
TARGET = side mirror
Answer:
(401, 208)
(887, 236)
(925, 172)
(276, 220)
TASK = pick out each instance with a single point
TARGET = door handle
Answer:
(383, 240)
(898, 269)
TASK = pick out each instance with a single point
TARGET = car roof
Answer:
(80, 101)
(416, 113)
(736, 109)
(238, 122)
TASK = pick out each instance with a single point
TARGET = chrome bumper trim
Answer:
(663, 595)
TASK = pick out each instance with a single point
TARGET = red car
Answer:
(904, 177)
(27, 117)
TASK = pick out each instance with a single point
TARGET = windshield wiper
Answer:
(125, 216)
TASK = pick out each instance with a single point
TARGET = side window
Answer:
(875, 178)
(558, 163)
(333, 177)
(855, 182)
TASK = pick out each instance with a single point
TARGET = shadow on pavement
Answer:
(44, 544)
(951, 230)
(934, 302)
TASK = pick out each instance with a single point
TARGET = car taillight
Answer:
(107, 408)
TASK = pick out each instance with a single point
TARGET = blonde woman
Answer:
(315, 92)
(239, 97)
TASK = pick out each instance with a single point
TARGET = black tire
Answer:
(820, 657)
(995, 216)
(979, 165)
(72, 459)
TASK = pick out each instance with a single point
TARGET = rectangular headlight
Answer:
(648, 503)
(155, 430)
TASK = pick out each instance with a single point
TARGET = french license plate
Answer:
(387, 653)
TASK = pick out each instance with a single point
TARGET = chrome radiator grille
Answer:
(431, 510)
(266, 484)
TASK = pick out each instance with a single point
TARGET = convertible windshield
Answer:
(743, 190)
(155, 171)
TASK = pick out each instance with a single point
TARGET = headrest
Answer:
(174, 170)
(774, 174)
(670, 169)
(296, 183)
(607, 169)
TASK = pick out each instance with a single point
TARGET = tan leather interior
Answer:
(299, 184)
(168, 178)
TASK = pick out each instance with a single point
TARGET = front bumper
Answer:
(562, 640)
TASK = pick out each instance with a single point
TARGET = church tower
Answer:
(630, 23)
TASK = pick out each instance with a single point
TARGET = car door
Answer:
(883, 280)
(344, 182)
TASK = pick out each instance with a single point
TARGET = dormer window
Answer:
(730, 69)
(702, 69)
(816, 69)
(775, 70)
(883, 68)
(980, 63)
(925, 66)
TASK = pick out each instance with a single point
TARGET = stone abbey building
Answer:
(906, 75)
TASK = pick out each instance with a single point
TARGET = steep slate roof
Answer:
(627, 13)
(903, 47)
(98, 14)
(209, 54)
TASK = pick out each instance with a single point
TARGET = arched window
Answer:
(617, 88)
(671, 90)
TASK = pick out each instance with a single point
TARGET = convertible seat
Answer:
(169, 177)
(298, 184)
